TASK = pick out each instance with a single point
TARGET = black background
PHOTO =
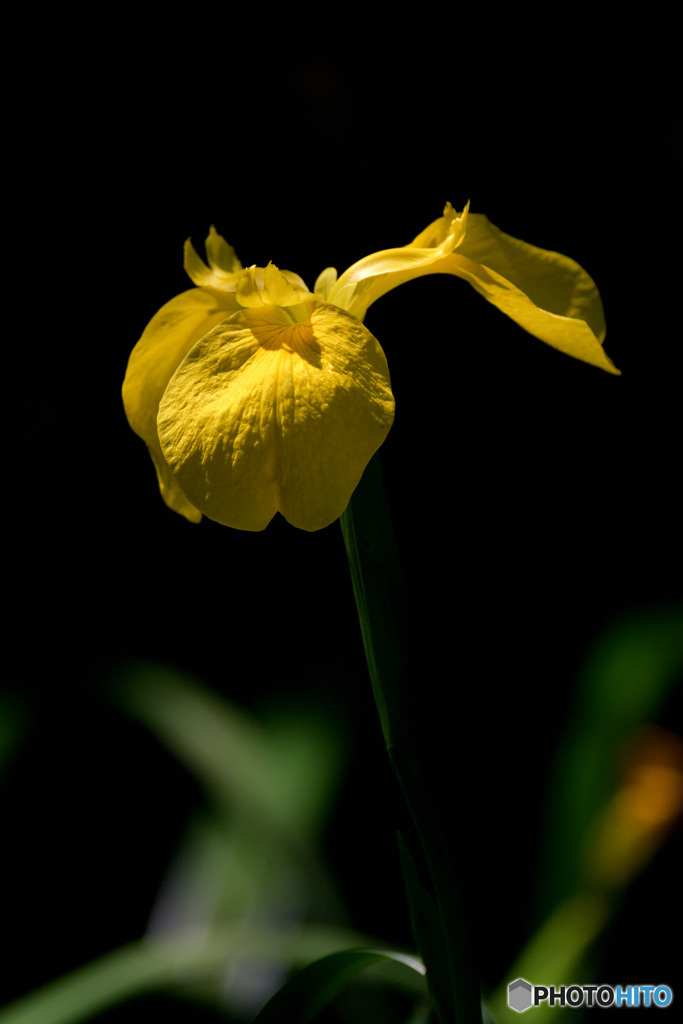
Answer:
(535, 498)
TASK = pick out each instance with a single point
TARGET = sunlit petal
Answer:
(569, 331)
(546, 293)
(195, 267)
(437, 234)
(297, 282)
(364, 281)
(256, 396)
(220, 255)
(552, 281)
(325, 282)
(277, 290)
(249, 287)
(224, 270)
(168, 337)
(266, 415)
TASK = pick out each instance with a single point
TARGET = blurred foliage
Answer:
(623, 685)
(249, 895)
(313, 987)
(614, 795)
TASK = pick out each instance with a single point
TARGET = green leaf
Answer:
(269, 784)
(376, 576)
(428, 931)
(623, 686)
(184, 958)
(308, 991)
(275, 779)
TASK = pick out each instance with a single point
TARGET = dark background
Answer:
(536, 499)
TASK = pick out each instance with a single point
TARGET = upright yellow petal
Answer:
(220, 255)
(270, 286)
(277, 290)
(325, 282)
(249, 287)
(450, 226)
(265, 416)
(166, 340)
(224, 268)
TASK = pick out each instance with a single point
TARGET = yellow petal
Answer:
(325, 283)
(297, 282)
(546, 293)
(270, 286)
(220, 255)
(265, 416)
(169, 489)
(364, 281)
(195, 267)
(436, 234)
(276, 288)
(166, 340)
(249, 287)
(224, 270)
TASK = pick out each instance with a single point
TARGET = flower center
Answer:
(284, 329)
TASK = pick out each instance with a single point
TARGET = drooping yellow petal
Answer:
(546, 293)
(265, 416)
(552, 281)
(166, 340)
(568, 315)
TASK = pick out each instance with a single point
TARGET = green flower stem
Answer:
(375, 572)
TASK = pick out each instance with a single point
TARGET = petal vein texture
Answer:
(265, 416)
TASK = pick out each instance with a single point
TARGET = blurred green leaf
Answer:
(314, 986)
(242, 768)
(180, 960)
(555, 951)
(426, 1015)
(308, 754)
(624, 684)
(598, 838)
(253, 854)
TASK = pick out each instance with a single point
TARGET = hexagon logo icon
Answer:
(519, 995)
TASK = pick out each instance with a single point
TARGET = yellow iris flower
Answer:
(255, 395)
